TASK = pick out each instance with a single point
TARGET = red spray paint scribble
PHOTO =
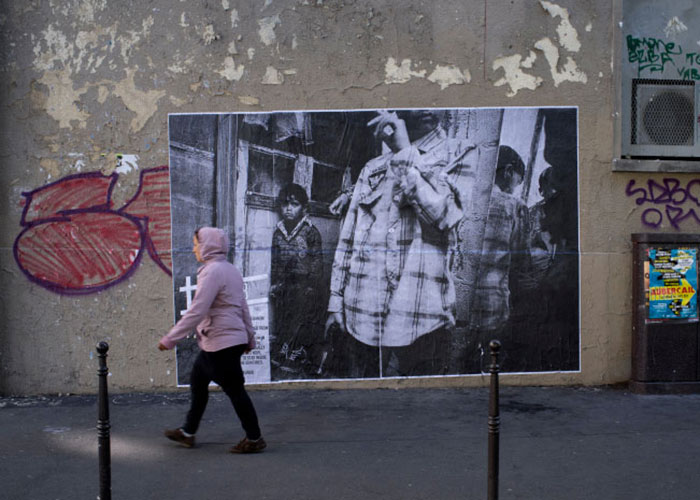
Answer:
(152, 203)
(81, 253)
(75, 243)
(75, 192)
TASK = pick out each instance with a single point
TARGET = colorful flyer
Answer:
(673, 283)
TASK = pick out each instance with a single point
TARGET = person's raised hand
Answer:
(390, 129)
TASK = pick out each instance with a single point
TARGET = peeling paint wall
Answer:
(88, 86)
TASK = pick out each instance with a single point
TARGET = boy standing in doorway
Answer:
(295, 278)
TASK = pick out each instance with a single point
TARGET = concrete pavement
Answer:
(556, 443)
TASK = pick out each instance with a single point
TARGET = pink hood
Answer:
(213, 243)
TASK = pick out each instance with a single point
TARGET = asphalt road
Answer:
(555, 443)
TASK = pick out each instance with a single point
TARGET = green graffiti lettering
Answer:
(653, 54)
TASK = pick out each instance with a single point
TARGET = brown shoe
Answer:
(247, 446)
(179, 436)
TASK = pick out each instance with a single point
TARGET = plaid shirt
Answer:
(505, 259)
(391, 272)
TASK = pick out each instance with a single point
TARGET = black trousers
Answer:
(224, 368)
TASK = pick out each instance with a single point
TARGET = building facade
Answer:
(127, 126)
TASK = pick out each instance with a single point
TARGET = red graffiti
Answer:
(82, 191)
(152, 204)
(74, 242)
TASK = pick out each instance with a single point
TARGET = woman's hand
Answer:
(251, 345)
(161, 347)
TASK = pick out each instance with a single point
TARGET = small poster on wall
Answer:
(256, 363)
(673, 283)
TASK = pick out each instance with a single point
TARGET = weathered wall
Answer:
(86, 80)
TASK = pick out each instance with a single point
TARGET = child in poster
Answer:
(295, 276)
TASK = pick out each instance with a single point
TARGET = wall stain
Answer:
(567, 38)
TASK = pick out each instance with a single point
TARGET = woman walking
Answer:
(225, 332)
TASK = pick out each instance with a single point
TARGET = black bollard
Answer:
(494, 422)
(103, 425)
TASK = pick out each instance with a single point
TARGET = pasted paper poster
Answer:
(673, 282)
(256, 364)
(345, 278)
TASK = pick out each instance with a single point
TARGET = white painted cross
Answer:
(188, 289)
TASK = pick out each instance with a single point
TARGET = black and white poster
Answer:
(387, 242)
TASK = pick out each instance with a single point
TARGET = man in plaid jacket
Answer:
(504, 265)
(391, 286)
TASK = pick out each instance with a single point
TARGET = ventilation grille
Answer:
(663, 112)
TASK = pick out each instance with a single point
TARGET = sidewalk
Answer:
(556, 443)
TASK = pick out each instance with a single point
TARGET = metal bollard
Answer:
(103, 426)
(494, 422)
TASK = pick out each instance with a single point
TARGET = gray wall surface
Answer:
(87, 89)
